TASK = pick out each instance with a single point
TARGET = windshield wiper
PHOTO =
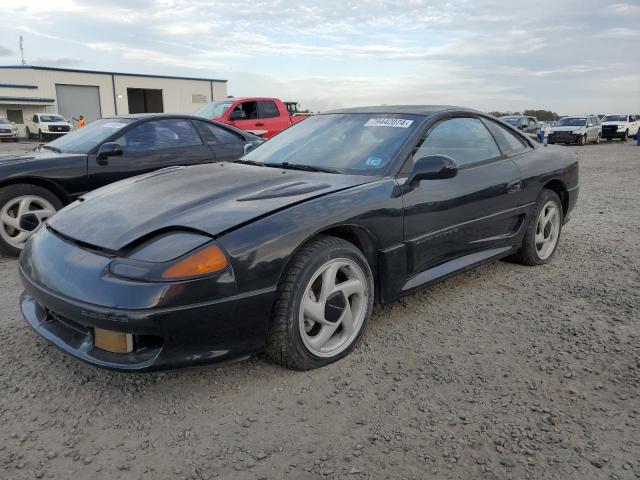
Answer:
(300, 166)
(249, 162)
(54, 149)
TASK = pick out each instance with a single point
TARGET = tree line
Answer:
(543, 115)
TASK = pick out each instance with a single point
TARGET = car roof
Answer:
(425, 110)
(138, 116)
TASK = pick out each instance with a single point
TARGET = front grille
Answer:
(52, 316)
(4, 130)
(563, 136)
(59, 128)
(609, 129)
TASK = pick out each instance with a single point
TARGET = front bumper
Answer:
(163, 338)
(563, 137)
(69, 292)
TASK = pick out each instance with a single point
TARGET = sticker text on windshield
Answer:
(388, 122)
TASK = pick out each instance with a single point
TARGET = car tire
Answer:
(624, 136)
(327, 281)
(598, 139)
(609, 139)
(545, 225)
(582, 141)
(36, 199)
(40, 136)
(28, 133)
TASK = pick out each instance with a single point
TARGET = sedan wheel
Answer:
(598, 139)
(544, 227)
(22, 213)
(625, 135)
(582, 140)
(333, 307)
(547, 230)
(323, 304)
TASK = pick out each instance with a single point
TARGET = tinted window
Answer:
(214, 134)
(268, 109)
(509, 143)
(94, 134)
(160, 134)
(466, 140)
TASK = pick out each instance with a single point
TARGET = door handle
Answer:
(259, 124)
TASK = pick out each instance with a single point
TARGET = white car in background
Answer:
(8, 130)
(620, 126)
(47, 125)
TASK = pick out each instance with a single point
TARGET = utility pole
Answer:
(22, 51)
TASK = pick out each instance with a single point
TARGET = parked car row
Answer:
(285, 249)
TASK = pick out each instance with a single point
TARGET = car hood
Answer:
(615, 122)
(212, 199)
(57, 124)
(33, 156)
(565, 129)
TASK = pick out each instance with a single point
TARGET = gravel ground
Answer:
(505, 372)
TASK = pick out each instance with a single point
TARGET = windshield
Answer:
(511, 120)
(355, 143)
(51, 118)
(572, 122)
(213, 109)
(615, 118)
(4, 121)
(84, 139)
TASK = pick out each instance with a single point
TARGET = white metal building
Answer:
(25, 90)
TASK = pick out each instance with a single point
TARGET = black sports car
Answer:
(34, 186)
(286, 249)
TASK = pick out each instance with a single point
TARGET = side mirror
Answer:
(107, 150)
(433, 167)
(237, 115)
(248, 147)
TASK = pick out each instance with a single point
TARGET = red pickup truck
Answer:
(261, 116)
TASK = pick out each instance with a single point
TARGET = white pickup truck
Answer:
(47, 125)
(620, 126)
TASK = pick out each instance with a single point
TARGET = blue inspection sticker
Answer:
(374, 161)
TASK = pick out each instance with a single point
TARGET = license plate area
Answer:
(114, 342)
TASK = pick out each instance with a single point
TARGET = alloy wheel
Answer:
(547, 230)
(333, 307)
(11, 213)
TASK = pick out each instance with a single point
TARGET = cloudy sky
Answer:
(570, 56)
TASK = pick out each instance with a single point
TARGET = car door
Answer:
(272, 119)
(225, 144)
(477, 213)
(148, 146)
(251, 121)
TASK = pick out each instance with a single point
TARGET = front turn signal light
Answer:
(208, 260)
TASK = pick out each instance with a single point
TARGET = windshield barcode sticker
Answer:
(388, 122)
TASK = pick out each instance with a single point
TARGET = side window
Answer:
(214, 134)
(510, 143)
(35, 119)
(632, 118)
(250, 110)
(159, 135)
(466, 140)
(532, 123)
(268, 109)
(589, 122)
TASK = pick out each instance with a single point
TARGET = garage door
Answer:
(75, 100)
